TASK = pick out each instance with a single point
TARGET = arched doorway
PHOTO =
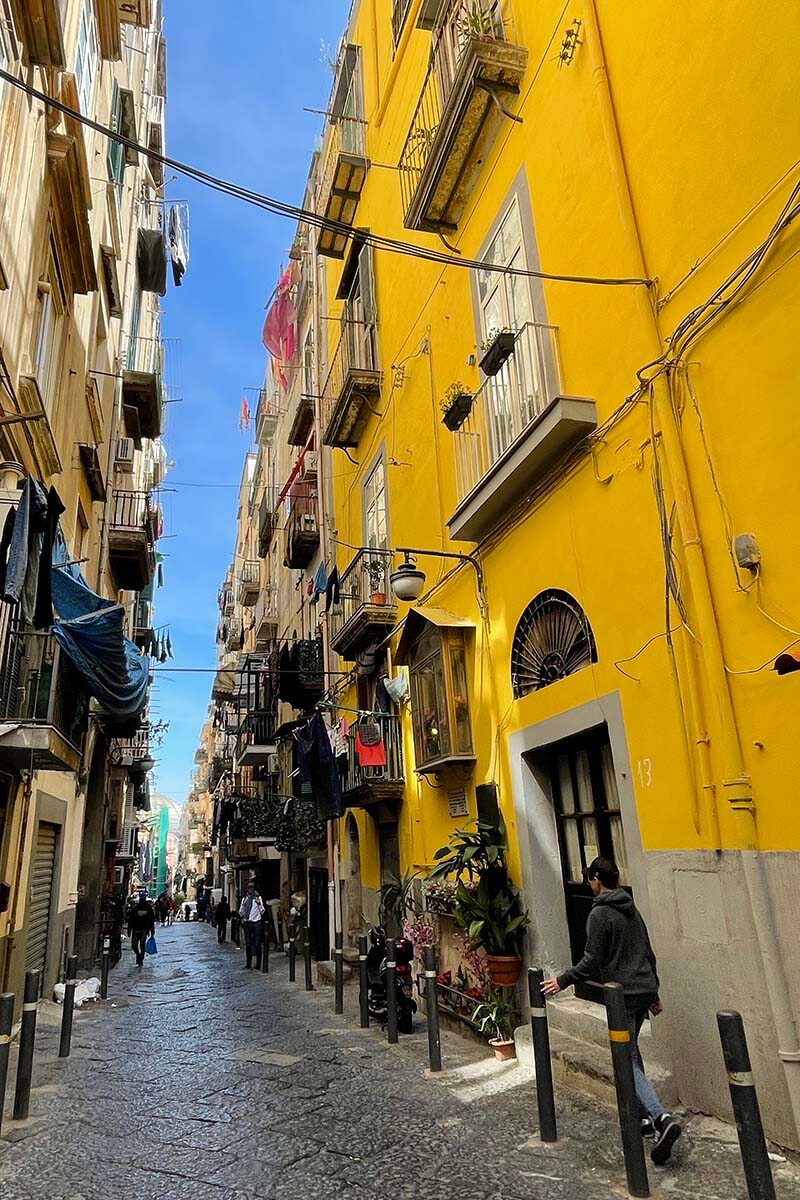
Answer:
(354, 916)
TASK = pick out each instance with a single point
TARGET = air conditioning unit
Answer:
(308, 469)
(124, 457)
(127, 845)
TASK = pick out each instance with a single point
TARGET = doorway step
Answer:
(581, 1055)
(326, 972)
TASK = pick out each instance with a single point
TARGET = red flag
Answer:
(244, 415)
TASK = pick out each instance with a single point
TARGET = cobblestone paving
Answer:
(198, 1079)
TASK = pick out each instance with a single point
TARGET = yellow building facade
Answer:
(621, 473)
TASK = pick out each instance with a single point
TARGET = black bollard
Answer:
(265, 948)
(545, 1100)
(338, 972)
(292, 951)
(391, 992)
(432, 1005)
(307, 961)
(6, 1018)
(363, 982)
(27, 1037)
(753, 1146)
(627, 1103)
(104, 965)
(65, 1045)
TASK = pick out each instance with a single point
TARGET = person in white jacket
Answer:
(251, 910)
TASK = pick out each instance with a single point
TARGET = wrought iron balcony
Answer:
(266, 621)
(255, 733)
(474, 74)
(249, 583)
(302, 422)
(142, 388)
(518, 427)
(266, 416)
(342, 180)
(366, 786)
(352, 387)
(266, 522)
(302, 529)
(366, 610)
(134, 529)
(43, 704)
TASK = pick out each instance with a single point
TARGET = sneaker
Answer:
(667, 1133)
(648, 1128)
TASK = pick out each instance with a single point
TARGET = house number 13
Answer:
(645, 769)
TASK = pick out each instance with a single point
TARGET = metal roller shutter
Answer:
(44, 858)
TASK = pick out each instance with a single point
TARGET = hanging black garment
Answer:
(333, 590)
(285, 675)
(8, 533)
(318, 767)
(151, 262)
(177, 245)
(43, 615)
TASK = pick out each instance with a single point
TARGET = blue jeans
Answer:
(649, 1103)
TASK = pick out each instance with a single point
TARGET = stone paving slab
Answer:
(198, 1079)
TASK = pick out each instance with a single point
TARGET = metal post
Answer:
(627, 1103)
(265, 947)
(106, 962)
(363, 982)
(753, 1146)
(307, 960)
(6, 1017)
(292, 951)
(338, 967)
(65, 1044)
(22, 1094)
(391, 992)
(432, 1005)
(545, 1100)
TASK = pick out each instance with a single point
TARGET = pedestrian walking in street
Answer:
(162, 906)
(251, 912)
(223, 912)
(141, 925)
(618, 950)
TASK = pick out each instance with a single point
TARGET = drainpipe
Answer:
(334, 866)
(736, 786)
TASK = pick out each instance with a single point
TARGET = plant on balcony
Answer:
(376, 573)
(496, 350)
(495, 1020)
(456, 406)
(475, 22)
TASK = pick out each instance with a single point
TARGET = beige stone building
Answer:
(81, 394)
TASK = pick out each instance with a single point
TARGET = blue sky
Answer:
(236, 93)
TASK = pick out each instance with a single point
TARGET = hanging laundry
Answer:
(332, 590)
(370, 749)
(169, 647)
(279, 334)
(179, 241)
(43, 615)
(151, 261)
(25, 548)
(244, 415)
(318, 768)
(320, 580)
(310, 588)
(161, 574)
(5, 544)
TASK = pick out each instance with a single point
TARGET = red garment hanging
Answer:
(370, 756)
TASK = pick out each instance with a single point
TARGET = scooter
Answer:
(404, 983)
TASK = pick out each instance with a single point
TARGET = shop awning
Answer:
(90, 631)
(224, 687)
(416, 621)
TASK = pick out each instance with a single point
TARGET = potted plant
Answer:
(475, 22)
(494, 920)
(494, 1018)
(456, 406)
(496, 350)
(376, 573)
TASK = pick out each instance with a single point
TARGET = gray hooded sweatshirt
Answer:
(618, 948)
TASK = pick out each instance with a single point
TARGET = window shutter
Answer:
(115, 154)
(367, 280)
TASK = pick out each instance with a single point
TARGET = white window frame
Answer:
(51, 304)
(87, 57)
(375, 501)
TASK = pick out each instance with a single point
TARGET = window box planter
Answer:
(497, 351)
(458, 408)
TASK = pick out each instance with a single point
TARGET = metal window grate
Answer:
(553, 639)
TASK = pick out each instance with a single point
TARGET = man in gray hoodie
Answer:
(618, 950)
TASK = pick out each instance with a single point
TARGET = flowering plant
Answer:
(440, 895)
(476, 971)
(421, 933)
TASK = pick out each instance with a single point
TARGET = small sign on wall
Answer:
(457, 802)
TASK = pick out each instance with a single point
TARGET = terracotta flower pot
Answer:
(504, 1050)
(377, 598)
(504, 969)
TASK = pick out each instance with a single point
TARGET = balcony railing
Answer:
(267, 415)
(134, 529)
(42, 693)
(508, 404)
(366, 604)
(134, 511)
(353, 382)
(249, 583)
(365, 785)
(302, 529)
(399, 13)
(343, 174)
(472, 68)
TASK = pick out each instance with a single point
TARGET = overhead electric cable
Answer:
(306, 216)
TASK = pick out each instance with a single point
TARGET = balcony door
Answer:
(358, 315)
(518, 393)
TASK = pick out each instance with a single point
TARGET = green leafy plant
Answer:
(375, 569)
(495, 1017)
(494, 921)
(452, 394)
(476, 854)
(475, 22)
(397, 899)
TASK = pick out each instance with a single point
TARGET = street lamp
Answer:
(407, 581)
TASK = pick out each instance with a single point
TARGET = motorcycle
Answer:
(404, 982)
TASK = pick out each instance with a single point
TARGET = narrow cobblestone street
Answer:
(198, 1078)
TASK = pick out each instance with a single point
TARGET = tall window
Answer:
(81, 534)
(519, 392)
(50, 304)
(133, 339)
(87, 56)
(375, 508)
(308, 363)
(358, 316)
(115, 154)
